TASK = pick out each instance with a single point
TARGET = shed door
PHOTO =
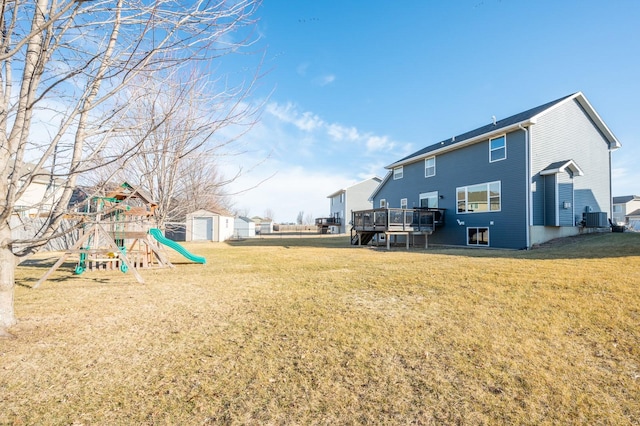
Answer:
(202, 228)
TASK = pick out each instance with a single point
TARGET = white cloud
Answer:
(341, 133)
(324, 79)
(308, 159)
(308, 122)
(625, 174)
(625, 181)
(379, 143)
(302, 68)
(288, 113)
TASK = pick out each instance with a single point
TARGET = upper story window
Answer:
(429, 199)
(497, 148)
(403, 203)
(398, 172)
(383, 203)
(430, 167)
(342, 197)
(484, 197)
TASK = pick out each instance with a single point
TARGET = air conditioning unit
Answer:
(595, 220)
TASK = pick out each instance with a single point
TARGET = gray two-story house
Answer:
(346, 200)
(541, 174)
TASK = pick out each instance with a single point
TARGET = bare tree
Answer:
(177, 160)
(62, 63)
(269, 214)
(300, 217)
(309, 219)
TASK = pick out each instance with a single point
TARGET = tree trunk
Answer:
(7, 281)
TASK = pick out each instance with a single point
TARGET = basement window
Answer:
(477, 236)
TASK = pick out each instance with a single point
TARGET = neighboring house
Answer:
(351, 198)
(633, 223)
(35, 204)
(538, 175)
(243, 227)
(41, 193)
(204, 225)
(625, 208)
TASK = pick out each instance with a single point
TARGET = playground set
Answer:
(117, 234)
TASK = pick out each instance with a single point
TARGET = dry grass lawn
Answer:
(313, 331)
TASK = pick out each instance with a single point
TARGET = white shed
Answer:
(204, 225)
(244, 227)
(266, 227)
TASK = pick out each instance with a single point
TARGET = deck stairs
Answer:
(366, 238)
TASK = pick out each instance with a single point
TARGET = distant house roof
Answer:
(40, 175)
(258, 219)
(634, 213)
(625, 199)
(340, 191)
(508, 124)
(244, 219)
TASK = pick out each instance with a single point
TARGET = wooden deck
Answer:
(323, 223)
(393, 222)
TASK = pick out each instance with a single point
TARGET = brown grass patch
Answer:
(310, 330)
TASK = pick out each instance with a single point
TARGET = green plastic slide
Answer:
(157, 234)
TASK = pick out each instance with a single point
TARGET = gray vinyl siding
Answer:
(464, 167)
(339, 208)
(565, 197)
(550, 200)
(567, 133)
(355, 197)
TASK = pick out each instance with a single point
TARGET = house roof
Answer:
(39, 175)
(561, 166)
(513, 122)
(244, 219)
(634, 213)
(380, 185)
(338, 192)
(624, 199)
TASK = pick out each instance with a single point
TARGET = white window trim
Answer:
(426, 195)
(383, 203)
(425, 167)
(403, 203)
(398, 172)
(479, 245)
(505, 148)
(466, 197)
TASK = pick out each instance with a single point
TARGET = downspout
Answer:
(528, 185)
(610, 187)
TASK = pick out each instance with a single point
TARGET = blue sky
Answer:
(358, 85)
